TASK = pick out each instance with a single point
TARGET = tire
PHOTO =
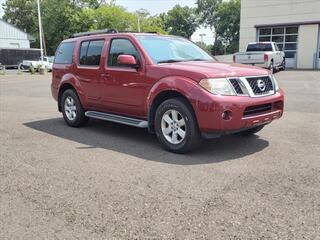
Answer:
(251, 131)
(72, 110)
(176, 126)
(283, 65)
(271, 67)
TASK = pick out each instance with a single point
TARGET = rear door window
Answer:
(90, 52)
(64, 53)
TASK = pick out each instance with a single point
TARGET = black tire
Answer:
(271, 67)
(251, 131)
(80, 118)
(283, 65)
(192, 138)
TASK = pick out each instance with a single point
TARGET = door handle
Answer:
(105, 75)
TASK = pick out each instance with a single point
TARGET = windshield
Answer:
(164, 49)
(259, 47)
(51, 59)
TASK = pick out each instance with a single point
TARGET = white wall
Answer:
(307, 45)
(11, 37)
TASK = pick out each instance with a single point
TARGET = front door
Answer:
(123, 89)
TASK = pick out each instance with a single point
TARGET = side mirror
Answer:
(127, 60)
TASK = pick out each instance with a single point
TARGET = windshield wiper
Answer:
(197, 60)
(170, 61)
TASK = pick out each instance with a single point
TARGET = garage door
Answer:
(286, 38)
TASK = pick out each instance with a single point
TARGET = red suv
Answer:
(164, 83)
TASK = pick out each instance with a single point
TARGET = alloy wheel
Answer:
(173, 126)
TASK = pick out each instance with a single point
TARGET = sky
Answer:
(157, 7)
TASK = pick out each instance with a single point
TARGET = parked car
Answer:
(164, 83)
(47, 63)
(262, 54)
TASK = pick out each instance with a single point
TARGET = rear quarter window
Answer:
(64, 54)
(259, 47)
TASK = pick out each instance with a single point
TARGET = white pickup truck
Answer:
(262, 54)
(47, 63)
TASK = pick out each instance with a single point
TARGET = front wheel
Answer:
(271, 67)
(176, 127)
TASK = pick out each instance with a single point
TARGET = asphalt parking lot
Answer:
(109, 181)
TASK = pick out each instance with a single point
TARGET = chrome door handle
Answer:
(105, 75)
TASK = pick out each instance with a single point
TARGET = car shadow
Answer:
(139, 143)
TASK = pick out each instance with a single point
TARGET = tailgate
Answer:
(250, 58)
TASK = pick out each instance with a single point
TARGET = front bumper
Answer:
(210, 111)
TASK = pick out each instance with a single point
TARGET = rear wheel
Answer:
(176, 127)
(73, 113)
(251, 131)
(283, 65)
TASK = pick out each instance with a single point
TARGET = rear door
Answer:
(89, 69)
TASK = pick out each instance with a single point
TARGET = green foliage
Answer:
(21, 13)
(207, 48)
(62, 18)
(181, 21)
(207, 10)
(228, 24)
(224, 18)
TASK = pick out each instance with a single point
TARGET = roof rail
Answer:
(103, 31)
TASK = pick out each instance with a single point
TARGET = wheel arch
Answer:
(65, 86)
(160, 98)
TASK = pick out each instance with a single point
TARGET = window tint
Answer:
(256, 47)
(265, 31)
(64, 53)
(83, 52)
(90, 52)
(119, 47)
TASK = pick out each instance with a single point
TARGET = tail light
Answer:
(266, 57)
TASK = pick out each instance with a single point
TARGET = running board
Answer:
(117, 119)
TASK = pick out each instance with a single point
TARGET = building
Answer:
(15, 45)
(293, 24)
(13, 37)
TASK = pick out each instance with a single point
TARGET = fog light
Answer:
(226, 115)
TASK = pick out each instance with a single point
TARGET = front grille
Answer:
(258, 109)
(236, 85)
(260, 85)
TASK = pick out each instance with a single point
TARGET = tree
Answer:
(207, 10)
(181, 21)
(21, 13)
(228, 24)
(224, 18)
(62, 18)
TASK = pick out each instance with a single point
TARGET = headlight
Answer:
(275, 82)
(219, 86)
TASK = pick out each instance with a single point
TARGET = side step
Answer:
(117, 119)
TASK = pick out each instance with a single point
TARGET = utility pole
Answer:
(40, 32)
(139, 30)
(202, 35)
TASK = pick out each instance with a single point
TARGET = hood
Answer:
(208, 69)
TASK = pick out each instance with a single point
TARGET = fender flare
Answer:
(180, 85)
(70, 79)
